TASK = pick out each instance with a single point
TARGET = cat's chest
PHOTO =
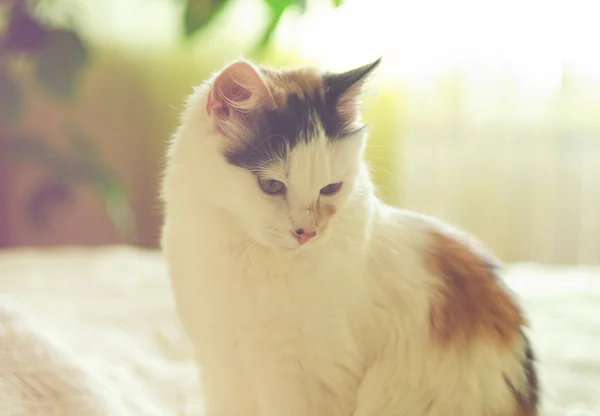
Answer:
(236, 301)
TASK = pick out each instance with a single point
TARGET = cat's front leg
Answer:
(225, 391)
(278, 395)
(254, 390)
(498, 384)
(375, 397)
(281, 403)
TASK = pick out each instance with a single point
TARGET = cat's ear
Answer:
(237, 97)
(342, 90)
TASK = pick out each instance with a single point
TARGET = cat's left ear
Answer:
(342, 90)
(237, 97)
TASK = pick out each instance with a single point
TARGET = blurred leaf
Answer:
(277, 7)
(24, 32)
(82, 145)
(337, 3)
(50, 193)
(65, 171)
(268, 34)
(199, 12)
(35, 3)
(109, 189)
(60, 62)
(118, 208)
(28, 149)
(301, 4)
(10, 97)
(60, 165)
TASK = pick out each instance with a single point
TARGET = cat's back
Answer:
(465, 297)
(402, 237)
(444, 298)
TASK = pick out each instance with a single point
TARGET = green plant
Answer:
(198, 13)
(53, 59)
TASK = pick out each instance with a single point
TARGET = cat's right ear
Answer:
(237, 97)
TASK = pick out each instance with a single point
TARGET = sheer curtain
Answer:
(497, 113)
(488, 112)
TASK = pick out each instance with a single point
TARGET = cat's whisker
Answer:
(357, 246)
(344, 263)
(360, 230)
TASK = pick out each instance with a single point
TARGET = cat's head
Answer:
(290, 144)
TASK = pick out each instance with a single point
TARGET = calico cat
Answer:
(305, 295)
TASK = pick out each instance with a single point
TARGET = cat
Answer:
(303, 293)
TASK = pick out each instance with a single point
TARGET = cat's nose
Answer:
(303, 235)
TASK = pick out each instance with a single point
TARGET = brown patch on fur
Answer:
(323, 213)
(329, 210)
(302, 82)
(471, 303)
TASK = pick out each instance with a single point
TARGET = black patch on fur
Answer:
(530, 397)
(531, 373)
(278, 131)
(492, 265)
(335, 87)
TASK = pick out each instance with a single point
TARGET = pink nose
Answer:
(304, 236)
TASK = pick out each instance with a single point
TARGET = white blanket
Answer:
(94, 332)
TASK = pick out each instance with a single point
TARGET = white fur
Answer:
(334, 328)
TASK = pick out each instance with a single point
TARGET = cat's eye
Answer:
(271, 186)
(331, 189)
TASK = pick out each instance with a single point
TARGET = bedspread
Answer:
(94, 332)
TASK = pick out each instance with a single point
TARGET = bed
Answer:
(93, 332)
